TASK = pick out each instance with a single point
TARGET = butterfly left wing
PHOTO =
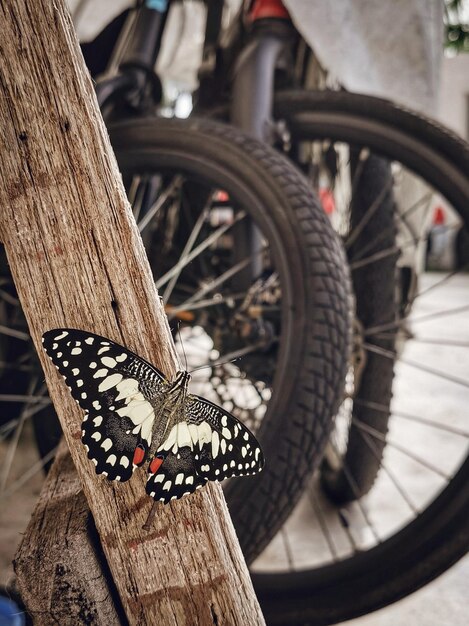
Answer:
(116, 389)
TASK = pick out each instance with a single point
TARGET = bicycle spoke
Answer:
(287, 548)
(188, 304)
(374, 330)
(202, 304)
(7, 297)
(383, 408)
(356, 492)
(377, 256)
(11, 332)
(371, 210)
(11, 397)
(187, 249)
(198, 250)
(389, 473)
(441, 342)
(415, 457)
(159, 203)
(314, 501)
(13, 444)
(33, 470)
(440, 282)
(403, 216)
(423, 368)
(7, 365)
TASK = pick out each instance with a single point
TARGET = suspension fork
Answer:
(269, 44)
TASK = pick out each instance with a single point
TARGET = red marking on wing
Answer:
(155, 465)
(139, 455)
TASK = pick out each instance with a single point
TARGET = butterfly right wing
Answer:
(118, 391)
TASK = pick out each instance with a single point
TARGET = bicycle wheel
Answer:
(279, 306)
(336, 561)
(277, 302)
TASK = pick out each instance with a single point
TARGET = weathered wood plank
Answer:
(77, 260)
(58, 565)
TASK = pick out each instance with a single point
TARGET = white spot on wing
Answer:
(226, 433)
(167, 485)
(96, 436)
(179, 479)
(98, 420)
(170, 440)
(215, 444)
(124, 461)
(76, 351)
(204, 434)
(121, 357)
(100, 373)
(61, 336)
(107, 444)
(89, 340)
(108, 361)
(111, 459)
(184, 435)
(109, 382)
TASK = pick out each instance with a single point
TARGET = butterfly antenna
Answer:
(182, 345)
(201, 367)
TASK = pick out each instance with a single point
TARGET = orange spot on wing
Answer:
(155, 465)
(139, 455)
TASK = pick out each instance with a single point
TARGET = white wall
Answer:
(454, 94)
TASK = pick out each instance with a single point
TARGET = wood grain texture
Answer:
(77, 260)
(59, 565)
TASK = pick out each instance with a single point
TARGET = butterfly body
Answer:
(134, 414)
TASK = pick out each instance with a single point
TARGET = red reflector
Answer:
(268, 8)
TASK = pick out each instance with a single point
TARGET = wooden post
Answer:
(59, 563)
(77, 260)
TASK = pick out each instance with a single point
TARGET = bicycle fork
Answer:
(252, 101)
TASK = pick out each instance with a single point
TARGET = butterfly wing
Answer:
(117, 390)
(209, 444)
(226, 447)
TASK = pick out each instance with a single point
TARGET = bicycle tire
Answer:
(439, 535)
(376, 303)
(312, 361)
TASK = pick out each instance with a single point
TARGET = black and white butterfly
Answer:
(133, 414)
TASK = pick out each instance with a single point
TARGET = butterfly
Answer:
(134, 414)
